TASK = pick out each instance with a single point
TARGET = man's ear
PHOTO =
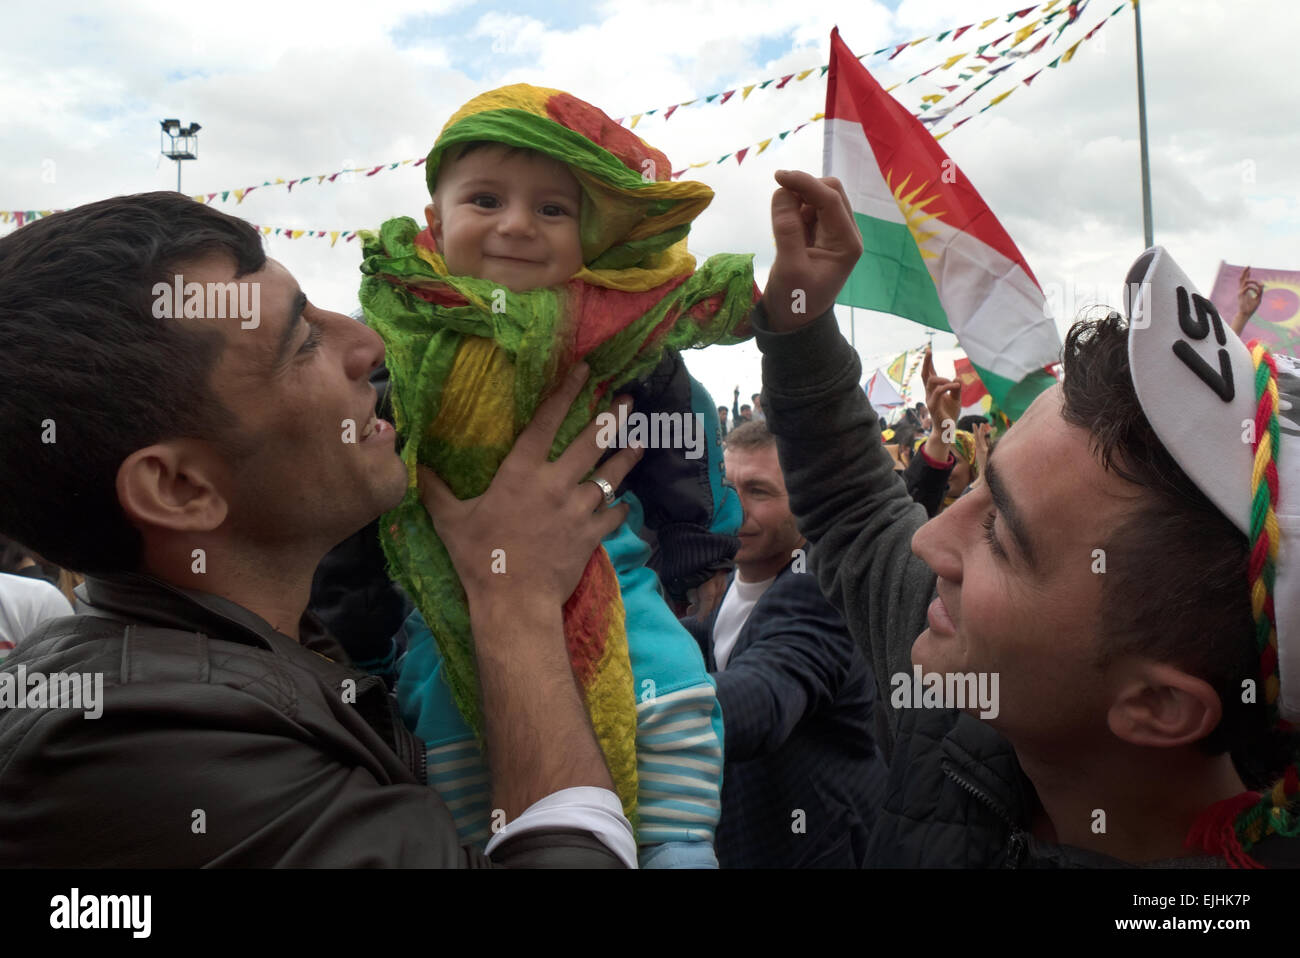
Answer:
(435, 224)
(173, 485)
(1162, 706)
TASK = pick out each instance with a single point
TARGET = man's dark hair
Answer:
(1176, 581)
(905, 437)
(722, 409)
(750, 435)
(84, 356)
(969, 422)
(745, 408)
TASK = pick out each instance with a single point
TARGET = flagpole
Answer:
(853, 331)
(1147, 231)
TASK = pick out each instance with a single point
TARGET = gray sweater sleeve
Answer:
(845, 493)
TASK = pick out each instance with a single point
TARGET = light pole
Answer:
(1147, 231)
(181, 143)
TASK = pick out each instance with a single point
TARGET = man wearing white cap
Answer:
(1125, 583)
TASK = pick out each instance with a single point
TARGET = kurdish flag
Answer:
(933, 252)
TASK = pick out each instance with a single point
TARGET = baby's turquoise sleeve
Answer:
(679, 718)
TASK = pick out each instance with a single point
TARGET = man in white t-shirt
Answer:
(24, 604)
(802, 775)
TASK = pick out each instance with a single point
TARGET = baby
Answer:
(555, 235)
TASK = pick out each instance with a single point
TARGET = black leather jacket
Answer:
(221, 743)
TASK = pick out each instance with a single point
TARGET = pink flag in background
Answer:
(1276, 323)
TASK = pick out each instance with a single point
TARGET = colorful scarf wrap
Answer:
(468, 374)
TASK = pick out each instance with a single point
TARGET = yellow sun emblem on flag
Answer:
(914, 213)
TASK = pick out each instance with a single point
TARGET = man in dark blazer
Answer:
(803, 776)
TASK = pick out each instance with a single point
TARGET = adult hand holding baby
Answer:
(538, 513)
(817, 246)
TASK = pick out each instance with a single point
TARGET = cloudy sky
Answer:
(289, 90)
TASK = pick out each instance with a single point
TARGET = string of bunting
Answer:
(1064, 58)
(290, 183)
(1058, 61)
(22, 217)
(1074, 9)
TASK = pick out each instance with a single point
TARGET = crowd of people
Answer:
(766, 656)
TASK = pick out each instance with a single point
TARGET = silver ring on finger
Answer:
(606, 489)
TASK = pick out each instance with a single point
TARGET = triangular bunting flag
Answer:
(727, 96)
(740, 155)
(671, 110)
(1023, 33)
(763, 146)
(744, 94)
